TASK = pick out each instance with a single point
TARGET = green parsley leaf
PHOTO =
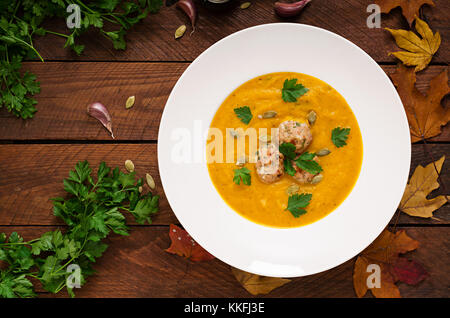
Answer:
(288, 167)
(297, 203)
(291, 90)
(339, 136)
(288, 150)
(91, 211)
(306, 162)
(15, 286)
(144, 208)
(244, 114)
(20, 21)
(242, 174)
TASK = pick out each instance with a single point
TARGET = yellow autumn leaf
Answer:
(422, 182)
(419, 51)
(256, 284)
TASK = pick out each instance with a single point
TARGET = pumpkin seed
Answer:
(130, 102)
(245, 5)
(312, 116)
(317, 179)
(150, 181)
(269, 114)
(180, 31)
(241, 160)
(265, 138)
(129, 165)
(292, 189)
(323, 152)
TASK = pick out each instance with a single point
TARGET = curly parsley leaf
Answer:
(297, 203)
(242, 174)
(291, 90)
(339, 136)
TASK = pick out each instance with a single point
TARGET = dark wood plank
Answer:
(37, 172)
(138, 266)
(34, 174)
(153, 40)
(67, 89)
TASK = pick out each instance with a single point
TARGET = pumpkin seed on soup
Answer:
(312, 116)
(292, 189)
(317, 179)
(323, 152)
(269, 114)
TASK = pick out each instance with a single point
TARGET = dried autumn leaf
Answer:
(409, 272)
(422, 182)
(410, 8)
(256, 284)
(384, 252)
(425, 113)
(184, 245)
(419, 51)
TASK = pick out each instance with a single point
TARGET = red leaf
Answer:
(409, 272)
(184, 245)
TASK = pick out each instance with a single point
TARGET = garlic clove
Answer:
(100, 112)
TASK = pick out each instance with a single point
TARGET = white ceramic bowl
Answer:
(346, 231)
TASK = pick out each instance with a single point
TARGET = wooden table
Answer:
(36, 154)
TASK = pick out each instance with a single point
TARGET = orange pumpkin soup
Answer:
(266, 203)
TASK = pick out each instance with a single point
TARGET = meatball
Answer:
(296, 133)
(269, 166)
(303, 176)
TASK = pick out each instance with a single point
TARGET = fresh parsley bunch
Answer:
(91, 212)
(21, 20)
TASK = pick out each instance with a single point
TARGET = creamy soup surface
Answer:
(266, 203)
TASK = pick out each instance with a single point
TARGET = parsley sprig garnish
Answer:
(291, 90)
(244, 114)
(297, 203)
(305, 161)
(242, 174)
(288, 150)
(20, 21)
(339, 136)
(91, 212)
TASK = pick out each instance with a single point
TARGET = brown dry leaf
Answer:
(419, 51)
(256, 284)
(183, 245)
(422, 182)
(410, 8)
(425, 113)
(384, 252)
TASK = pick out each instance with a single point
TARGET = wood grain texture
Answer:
(34, 174)
(138, 266)
(67, 89)
(153, 40)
